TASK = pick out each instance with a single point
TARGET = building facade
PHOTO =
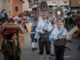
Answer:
(7, 4)
(26, 5)
(75, 5)
(33, 3)
(0, 5)
(58, 2)
(17, 7)
(54, 3)
(13, 7)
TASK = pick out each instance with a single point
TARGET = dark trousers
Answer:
(12, 58)
(43, 44)
(59, 52)
(18, 58)
(32, 38)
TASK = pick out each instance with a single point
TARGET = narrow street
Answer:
(28, 54)
(46, 20)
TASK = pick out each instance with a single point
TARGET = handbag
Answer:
(45, 36)
(60, 42)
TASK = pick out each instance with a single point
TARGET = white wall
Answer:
(61, 2)
(0, 5)
(25, 5)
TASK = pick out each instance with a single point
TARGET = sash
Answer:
(51, 31)
(60, 34)
(46, 25)
(51, 39)
(36, 25)
(36, 33)
(46, 34)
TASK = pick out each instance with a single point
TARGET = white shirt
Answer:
(40, 27)
(57, 31)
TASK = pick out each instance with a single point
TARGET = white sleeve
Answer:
(64, 34)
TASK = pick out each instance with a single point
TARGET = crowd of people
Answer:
(47, 32)
(51, 33)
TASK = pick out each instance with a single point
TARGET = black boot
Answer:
(33, 49)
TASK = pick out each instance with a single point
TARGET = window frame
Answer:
(17, 10)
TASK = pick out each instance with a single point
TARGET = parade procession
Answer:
(43, 32)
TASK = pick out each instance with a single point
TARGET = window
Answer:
(16, 8)
(65, 2)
